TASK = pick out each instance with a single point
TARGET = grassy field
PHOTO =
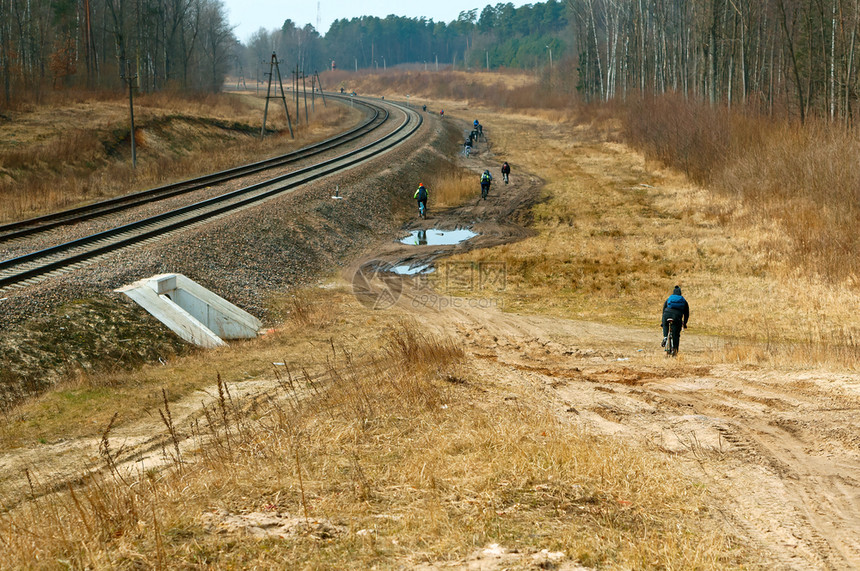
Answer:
(612, 246)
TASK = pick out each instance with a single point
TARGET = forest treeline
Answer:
(500, 36)
(797, 56)
(94, 44)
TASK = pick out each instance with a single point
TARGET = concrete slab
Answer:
(192, 311)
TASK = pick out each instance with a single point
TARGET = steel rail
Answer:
(23, 228)
(61, 256)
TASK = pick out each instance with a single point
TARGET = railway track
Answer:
(376, 117)
(30, 268)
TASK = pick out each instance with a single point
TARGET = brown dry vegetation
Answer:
(451, 186)
(510, 90)
(59, 156)
(611, 248)
(801, 179)
(360, 458)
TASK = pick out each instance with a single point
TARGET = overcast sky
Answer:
(248, 16)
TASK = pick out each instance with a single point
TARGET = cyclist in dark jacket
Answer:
(506, 171)
(675, 307)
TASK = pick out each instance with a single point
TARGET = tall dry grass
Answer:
(452, 186)
(384, 462)
(800, 179)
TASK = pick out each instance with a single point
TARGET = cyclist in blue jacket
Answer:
(675, 307)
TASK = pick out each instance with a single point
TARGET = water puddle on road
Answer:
(412, 270)
(435, 237)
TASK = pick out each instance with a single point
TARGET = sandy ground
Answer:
(779, 450)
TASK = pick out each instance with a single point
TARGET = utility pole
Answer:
(322, 93)
(296, 90)
(130, 79)
(305, 95)
(273, 66)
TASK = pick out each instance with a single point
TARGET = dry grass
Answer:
(616, 233)
(797, 178)
(451, 186)
(44, 166)
(449, 89)
(384, 462)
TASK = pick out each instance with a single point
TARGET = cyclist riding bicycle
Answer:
(467, 146)
(421, 197)
(676, 308)
(506, 171)
(486, 179)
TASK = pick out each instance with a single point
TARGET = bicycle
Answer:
(467, 150)
(505, 177)
(671, 349)
(485, 190)
(422, 210)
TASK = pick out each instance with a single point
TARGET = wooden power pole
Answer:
(319, 83)
(273, 67)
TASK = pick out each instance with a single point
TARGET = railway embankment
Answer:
(74, 325)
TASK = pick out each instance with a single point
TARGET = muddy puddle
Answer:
(407, 270)
(435, 237)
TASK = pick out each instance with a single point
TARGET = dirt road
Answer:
(779, 450)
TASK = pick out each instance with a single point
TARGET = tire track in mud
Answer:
(821, 478)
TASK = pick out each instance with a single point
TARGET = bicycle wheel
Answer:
(670, 339)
